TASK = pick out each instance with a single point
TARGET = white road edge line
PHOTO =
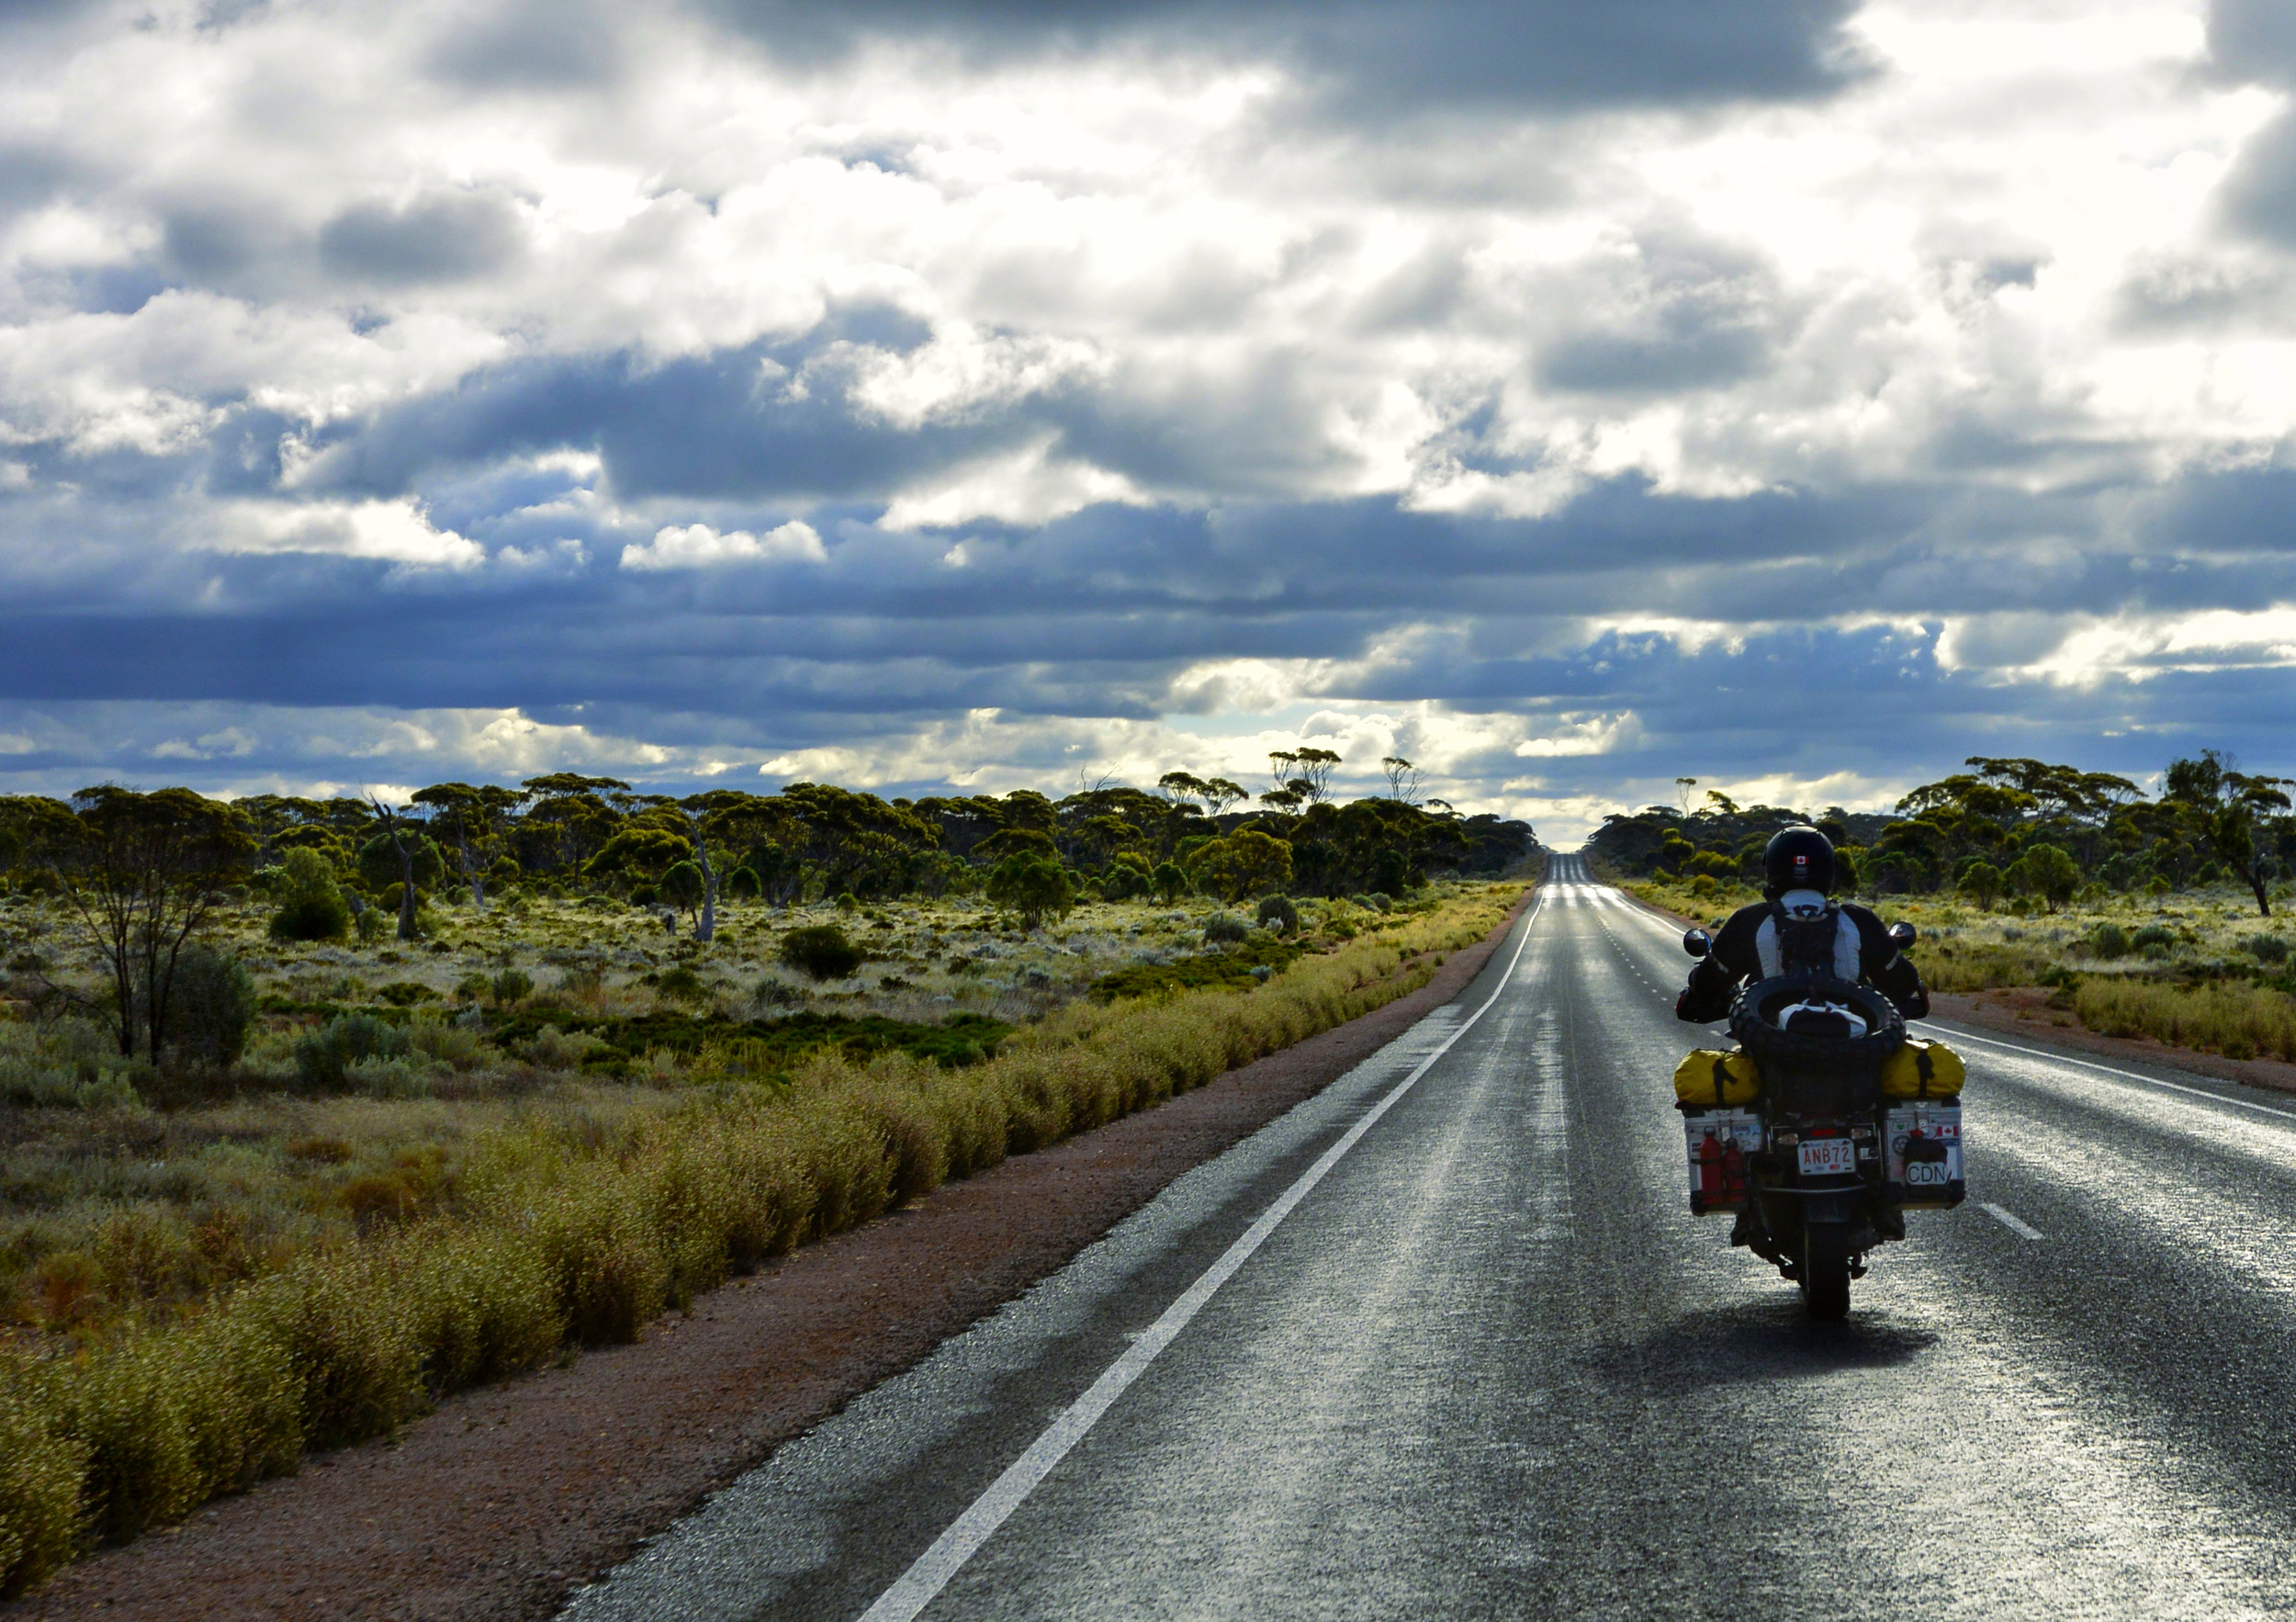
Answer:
(2008, 1221)
(2287, 1117)
(931, 1572)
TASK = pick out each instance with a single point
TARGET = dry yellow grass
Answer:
(2238, 1022)
(581, 1231)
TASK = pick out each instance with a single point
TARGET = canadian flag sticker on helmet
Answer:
(1798, 859)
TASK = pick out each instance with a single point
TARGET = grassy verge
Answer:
(557, 1232)
(2238, 1022)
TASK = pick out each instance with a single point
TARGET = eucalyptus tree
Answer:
(144, 872)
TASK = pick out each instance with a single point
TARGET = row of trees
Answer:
(146, 871)
(2003, 826)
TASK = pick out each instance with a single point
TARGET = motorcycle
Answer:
(1845, 1134)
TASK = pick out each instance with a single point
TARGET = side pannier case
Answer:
(1720, 1143)
(1923, 1141)
(1715, 1091)
(1921, 1125)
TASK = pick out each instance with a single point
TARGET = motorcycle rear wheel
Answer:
(1825, 1271)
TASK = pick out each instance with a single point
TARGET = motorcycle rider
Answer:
(1798, 878)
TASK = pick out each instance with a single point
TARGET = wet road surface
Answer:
(1482, 1362)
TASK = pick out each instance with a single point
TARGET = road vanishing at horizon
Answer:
(1444, 1341)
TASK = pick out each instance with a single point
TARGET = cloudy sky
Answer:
(1797, 394)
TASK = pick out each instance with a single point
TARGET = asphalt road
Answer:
(1490, 1365)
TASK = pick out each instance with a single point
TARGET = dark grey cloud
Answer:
(2260, 195)
(231, 244)
(1094, 611)
(1683, 353)
(545, 45)
(1373, 58)
(2254, 41)
(722, 426)
(441, 237)
(2193, 295)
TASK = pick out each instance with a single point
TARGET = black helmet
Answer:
(1797, 859)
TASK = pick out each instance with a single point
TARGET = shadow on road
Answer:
(1745, 1342)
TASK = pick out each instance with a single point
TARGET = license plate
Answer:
(1824, 1158)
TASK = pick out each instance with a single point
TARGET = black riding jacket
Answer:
(1747, 949)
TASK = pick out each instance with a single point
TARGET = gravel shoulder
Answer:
(497, 1504)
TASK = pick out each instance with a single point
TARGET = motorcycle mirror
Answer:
(1697, 942)
(1901, 935)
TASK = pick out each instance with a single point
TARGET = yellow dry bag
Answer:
(1922, 1070)
(1711, 1079)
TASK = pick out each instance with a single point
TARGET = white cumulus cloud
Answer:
(697, 546)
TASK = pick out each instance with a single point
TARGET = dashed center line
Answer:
(2008, 1221)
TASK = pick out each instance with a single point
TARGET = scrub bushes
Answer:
(2238, 1022)
(325, 1057)
(212, 1006)
(41, 1475)
(580, 1235)
(820, 952)
(312, 905)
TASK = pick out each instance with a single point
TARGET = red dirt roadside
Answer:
(497, 1504)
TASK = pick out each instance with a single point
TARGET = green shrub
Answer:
(553, 1049)
(312, 906)
(242, 1409)
(1032, 885)
(40, 1472)
(347, 1333)
(681, 984)
(2266, 949)
(1225, 926)
(2108, 940)
(122, 1405)
(607, 1272)
(327, 919)
(1276, 911)
(2153, 935)
(511, 985)
(323, 1058)
(743, 885)
(820, 952)
(1376, 901)
(405, 994)
(451, 1043)
(482, 1304)
(1171, 881)
(211, 1007)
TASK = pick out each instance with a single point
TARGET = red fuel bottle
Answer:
(1710, 1178)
